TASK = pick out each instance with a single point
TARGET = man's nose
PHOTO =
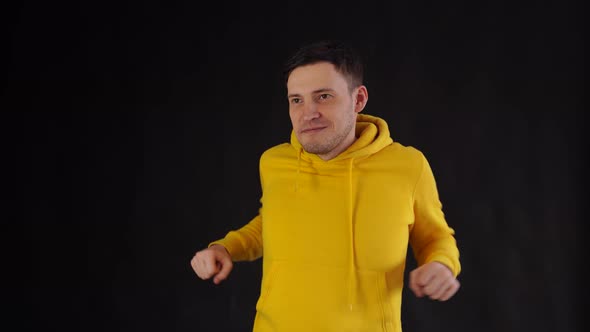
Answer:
(310, 111)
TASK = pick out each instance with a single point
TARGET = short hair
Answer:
(346, 60)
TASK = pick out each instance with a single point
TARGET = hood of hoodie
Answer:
(372, 135)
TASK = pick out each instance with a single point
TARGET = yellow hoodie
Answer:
(334, 234)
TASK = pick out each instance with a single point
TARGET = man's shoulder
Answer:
(281, 150)
(407, 152)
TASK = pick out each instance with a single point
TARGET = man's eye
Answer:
(295, 100)
(324, 96)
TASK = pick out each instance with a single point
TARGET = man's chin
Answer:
(314, 148)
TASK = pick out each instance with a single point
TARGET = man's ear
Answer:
(361, 98)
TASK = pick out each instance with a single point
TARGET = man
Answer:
(340, 204)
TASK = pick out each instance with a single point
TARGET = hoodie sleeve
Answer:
(430, 236)
(245, 243)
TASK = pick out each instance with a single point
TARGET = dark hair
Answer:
(346, 60)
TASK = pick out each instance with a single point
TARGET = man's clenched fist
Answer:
(214, 262)
(434, 280)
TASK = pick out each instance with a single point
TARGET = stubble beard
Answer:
(330, 143)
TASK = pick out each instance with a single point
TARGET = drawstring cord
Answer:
(352, 276)
(352, 282)
(298, 169)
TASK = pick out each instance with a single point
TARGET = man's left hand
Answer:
(434, 280)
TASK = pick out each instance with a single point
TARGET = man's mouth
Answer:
(311, 130)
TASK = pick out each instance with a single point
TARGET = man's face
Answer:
(322, 109)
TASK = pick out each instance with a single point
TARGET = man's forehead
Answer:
(314, 77)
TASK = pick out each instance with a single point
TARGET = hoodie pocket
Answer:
(310, 297)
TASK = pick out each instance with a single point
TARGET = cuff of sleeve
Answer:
(228, 245)
(451, 264)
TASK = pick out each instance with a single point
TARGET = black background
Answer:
(134, 131)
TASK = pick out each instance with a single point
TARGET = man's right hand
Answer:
(214, 262)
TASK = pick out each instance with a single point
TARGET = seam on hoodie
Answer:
(419, 178)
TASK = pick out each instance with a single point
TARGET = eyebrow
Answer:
(313, 92)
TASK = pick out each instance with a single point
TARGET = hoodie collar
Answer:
(372, 135)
